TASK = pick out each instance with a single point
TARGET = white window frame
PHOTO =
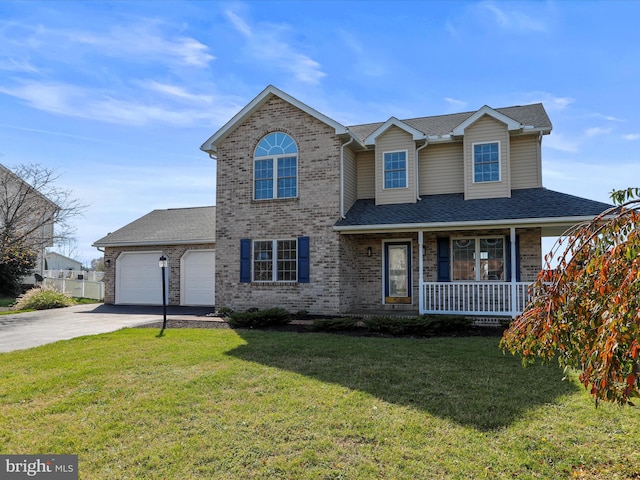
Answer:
(274, 168)
(274, 260)
(477, 258)
(406, 170)
(473, 162)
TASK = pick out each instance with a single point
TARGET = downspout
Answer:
(342, 212)
(418, 169)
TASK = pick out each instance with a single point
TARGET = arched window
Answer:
(275, 172)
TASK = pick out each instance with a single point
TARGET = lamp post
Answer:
(162, 263)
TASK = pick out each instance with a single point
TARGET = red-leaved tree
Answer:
(586, 311)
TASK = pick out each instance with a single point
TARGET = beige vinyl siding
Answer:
(526, 164)
(487, 130)
(441, 169)
(366, 177)
(350, 182)
(395, 140)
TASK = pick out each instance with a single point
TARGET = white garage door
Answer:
(139, 278)
(198, 277)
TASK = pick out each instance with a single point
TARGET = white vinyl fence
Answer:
(77, 288)
(75, 274)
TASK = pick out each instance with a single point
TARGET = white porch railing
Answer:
(77, 288)
(474, 298)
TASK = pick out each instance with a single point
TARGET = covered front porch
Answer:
(493, 297)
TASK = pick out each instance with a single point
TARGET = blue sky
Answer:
(118, 96)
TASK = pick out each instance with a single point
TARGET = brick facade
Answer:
(311, 214)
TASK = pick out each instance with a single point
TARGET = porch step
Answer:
(490, 321)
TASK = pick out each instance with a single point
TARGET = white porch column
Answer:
(420, 271)
(514, 276)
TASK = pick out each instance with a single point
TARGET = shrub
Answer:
(224, 311)
(259, 318)
(336, 324)
(42, 298)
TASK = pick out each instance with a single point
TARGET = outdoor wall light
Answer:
(107, 262)
(369, 251)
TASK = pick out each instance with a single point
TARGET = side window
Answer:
(275, 167)
(486, 162)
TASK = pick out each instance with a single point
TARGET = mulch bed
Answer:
(300, 327)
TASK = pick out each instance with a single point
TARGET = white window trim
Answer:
(477, 257)
(406, 170)
(274, 159)
(274, 260)
(473, 162)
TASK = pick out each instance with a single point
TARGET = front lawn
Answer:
(225, 404)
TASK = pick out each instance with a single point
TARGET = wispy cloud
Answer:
(455, 103)
(631, 136)
(13, 65)
(143, 41)
(267, 45)
(513, 19)
(103, 105)
(557, 141)
(550, 100)
(176, 91)
(597, 131)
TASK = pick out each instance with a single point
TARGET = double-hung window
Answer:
(275, 261)
(395, 169)
(486, 162)
(275, 172)
(478, 259)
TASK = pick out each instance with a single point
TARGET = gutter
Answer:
(468, 225)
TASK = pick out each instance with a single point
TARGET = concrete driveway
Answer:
(31, 329)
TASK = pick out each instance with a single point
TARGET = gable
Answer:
(267, 94)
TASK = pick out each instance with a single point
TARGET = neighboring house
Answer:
(26, 216)
(185, 236)
(56, 261)
(432, 214)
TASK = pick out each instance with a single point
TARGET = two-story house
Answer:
(434, 214)
(27, 218)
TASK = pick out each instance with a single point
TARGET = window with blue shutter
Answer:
(444, 262)
(303, 260)
(274, 260)
(245, 260)
(508, 259)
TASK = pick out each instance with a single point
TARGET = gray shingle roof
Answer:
(532, 203)
(533, 115)
(166, 227)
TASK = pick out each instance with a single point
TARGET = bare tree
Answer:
(34, 212)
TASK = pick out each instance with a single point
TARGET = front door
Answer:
(397, 283)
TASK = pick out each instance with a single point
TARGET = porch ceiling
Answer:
(553, 211)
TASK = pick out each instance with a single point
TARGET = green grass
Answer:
(224, 404)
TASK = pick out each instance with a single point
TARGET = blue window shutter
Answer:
(245, 260)
(444, 260)
(303, 260)
(507, 263)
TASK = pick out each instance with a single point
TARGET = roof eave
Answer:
(100, 244)
(464, 225)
